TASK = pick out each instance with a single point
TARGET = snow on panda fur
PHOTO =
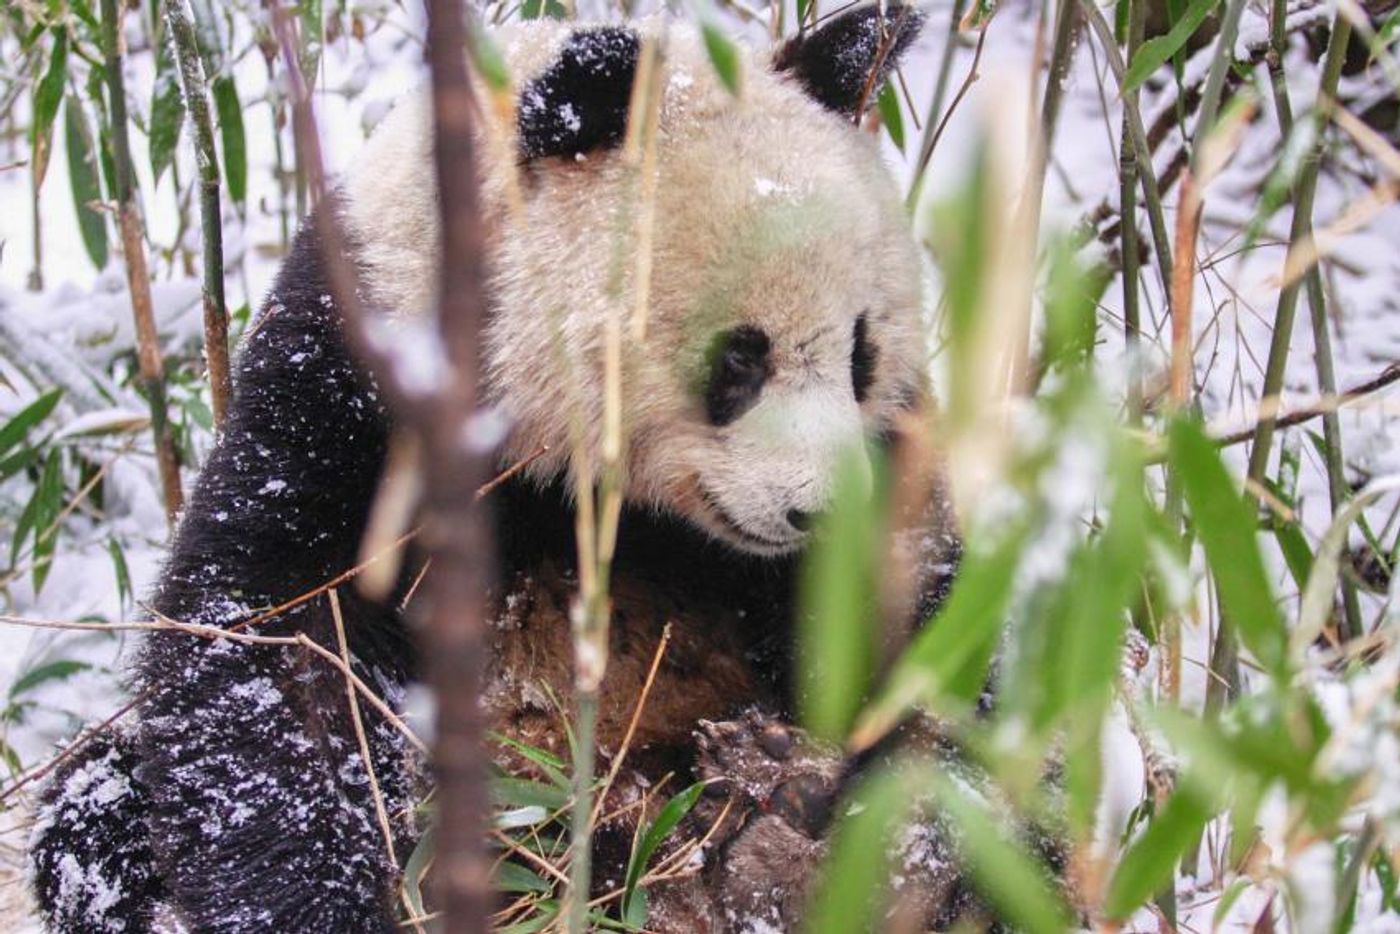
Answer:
(784, 328)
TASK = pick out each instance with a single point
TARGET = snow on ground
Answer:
(81, 318)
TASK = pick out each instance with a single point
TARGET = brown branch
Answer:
(1390, 374)
(973, 74)
(138, 279)
(454, 529)
(456, 524)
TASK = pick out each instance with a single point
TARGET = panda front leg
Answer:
(262, 815)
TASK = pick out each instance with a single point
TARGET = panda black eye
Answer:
(738, 368)
(863, 357)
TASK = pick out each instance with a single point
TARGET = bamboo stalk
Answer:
(1224, 654)
(1151, 190)
(35, 281)
(1215, 81)
(1322, 337)
(194, 86)
(138, 279)
(1127, 201)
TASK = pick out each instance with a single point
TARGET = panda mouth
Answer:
(754, 541)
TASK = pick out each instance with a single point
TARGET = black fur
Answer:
(580, 102)
(834, 63)
(738, 368)
(94, 869)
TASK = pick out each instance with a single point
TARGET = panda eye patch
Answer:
(863, 357)
(738, 367)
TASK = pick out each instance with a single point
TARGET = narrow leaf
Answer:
(231, 137)
(834, 638)
(946, 665)
(723, 55)
(1152, 858)
(658, 830)
(1226, 526)
(1005, 874)
(83, 178)
(852, 888)
(15, 430)
(47, 97)
(890, 115)
(1155, 52)
(53, 671)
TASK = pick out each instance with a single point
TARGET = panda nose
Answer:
(802, 521)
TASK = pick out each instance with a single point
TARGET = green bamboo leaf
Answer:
(47, 97)
(122, 571)
(851, 892)
(17, 428)
(520, 792)
(86, 185)
(1155, 52)
(167, 108)
(415, 871)
(890, 115)
(1226, 527)
(838, 588)
(1090, 631)
(551, 765)
(543, 9)
(547, 910)
(235, 147)
(513, 877)
(1009, 878)
(1296, 552)
(489, 61)
(1320, 594)
(48, 504)
(658, 830)
(946, 664)
(53, 671)
(1151, 860)
(724, 55)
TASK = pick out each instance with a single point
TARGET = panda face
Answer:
(784, 325)
(805, 357)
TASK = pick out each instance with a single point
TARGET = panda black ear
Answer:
(834, 63)
(580, 102)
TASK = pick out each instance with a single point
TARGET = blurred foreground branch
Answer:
(454, 530)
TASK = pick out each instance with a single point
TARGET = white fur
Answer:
(770, 211)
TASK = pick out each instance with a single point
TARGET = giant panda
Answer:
(784, 329)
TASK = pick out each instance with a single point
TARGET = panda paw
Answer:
(764, 766)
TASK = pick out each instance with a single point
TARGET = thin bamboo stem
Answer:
(1151, 190)
(138, 279)
(1215, 81)
(195, 88)
(1127, 200)
(940, 91)
(1322, 338)
(1224, 654)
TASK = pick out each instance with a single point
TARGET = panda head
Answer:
(783, 315)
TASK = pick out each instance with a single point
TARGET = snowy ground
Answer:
(81, 321)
